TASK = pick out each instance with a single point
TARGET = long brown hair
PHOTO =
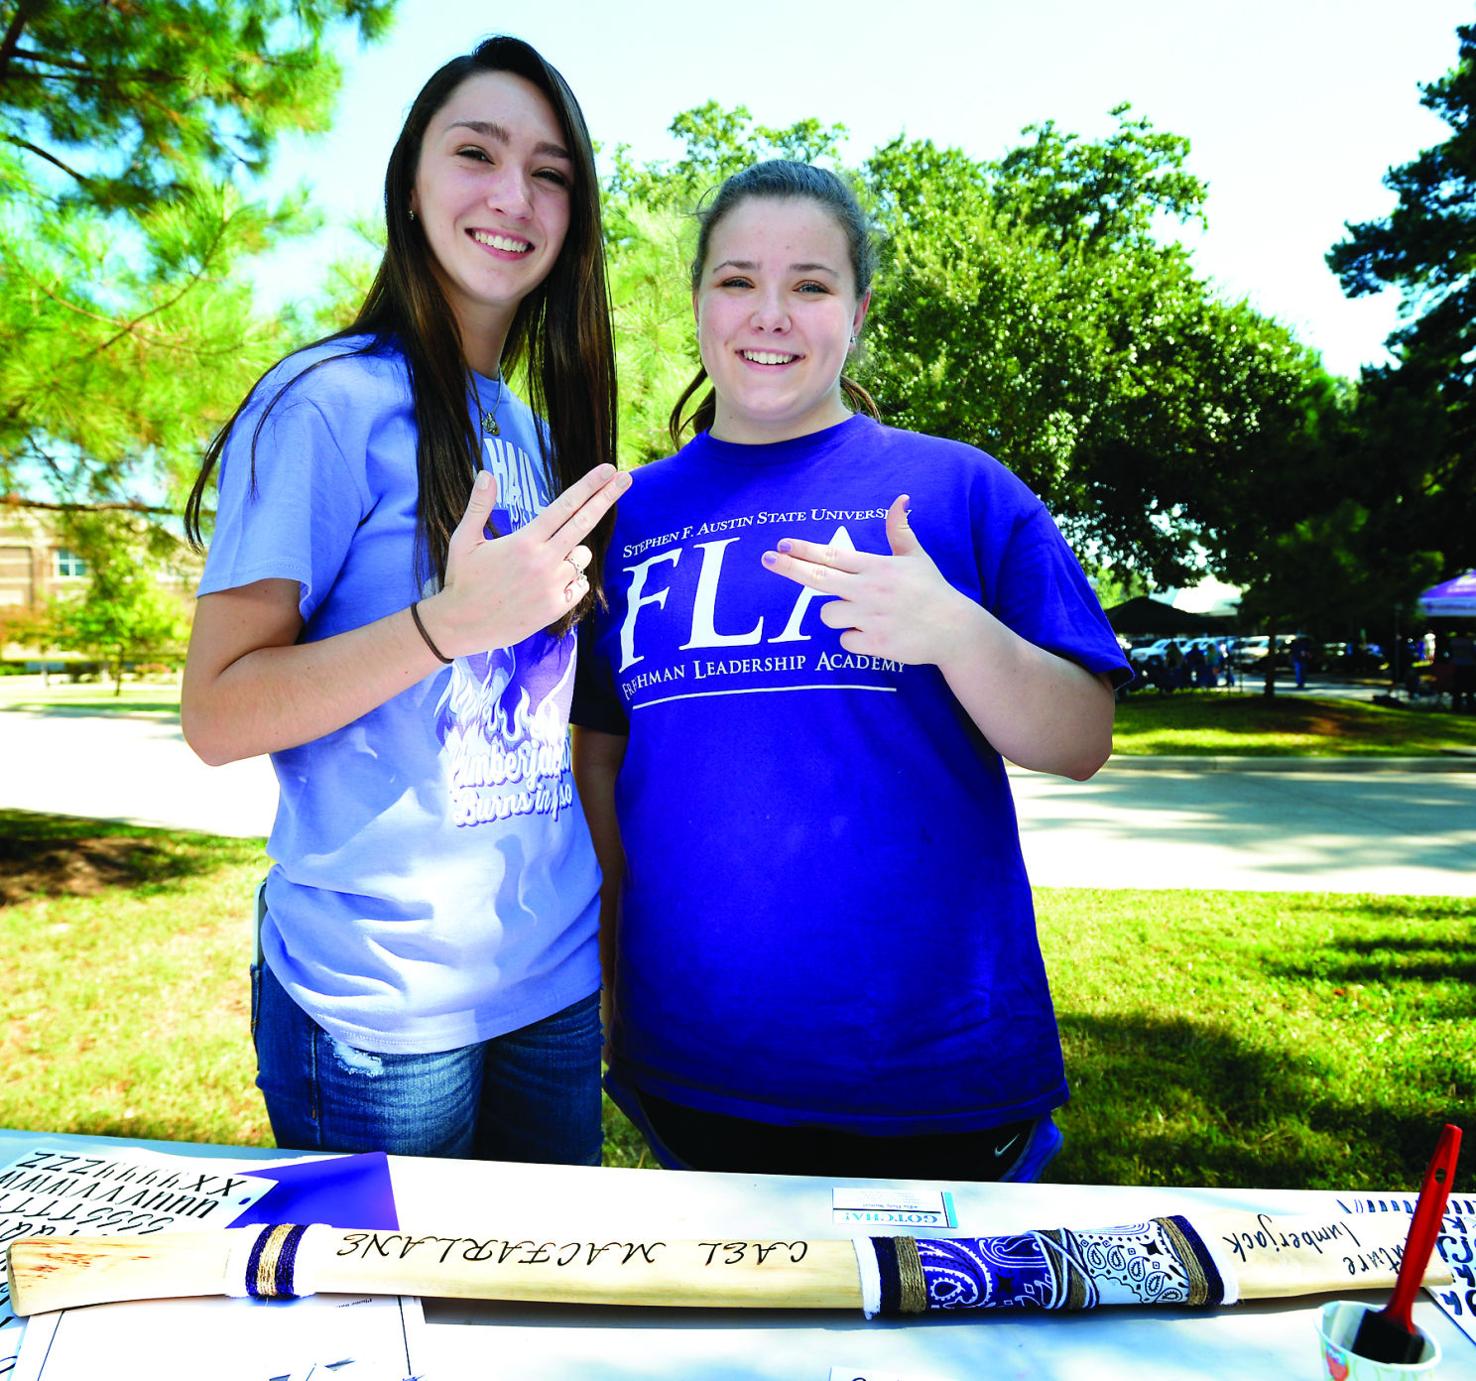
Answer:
(560, 339)
(780, 179)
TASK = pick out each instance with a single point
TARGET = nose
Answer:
(769, 311)
(509, 192)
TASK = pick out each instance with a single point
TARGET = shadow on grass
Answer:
(1452, 969)
(1390, 961)
(1362, 909)
(1173, 1102)
(71, 856)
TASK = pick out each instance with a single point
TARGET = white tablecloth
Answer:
(560, 1343)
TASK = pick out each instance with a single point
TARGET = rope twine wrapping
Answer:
(265, 1267)
(1161, 1261)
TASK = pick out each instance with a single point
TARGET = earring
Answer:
(853, 340)
(412, 217)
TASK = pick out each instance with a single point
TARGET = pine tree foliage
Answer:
(1420, 416)
(130, 99)
(129, 137)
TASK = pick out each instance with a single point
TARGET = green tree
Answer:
(131, 103)
(1110, 192)
(716, 143)
(655, 344)
(650, 235)
(118, 358)
(126, 613)
(1421, 414)
(1030, 306)
(129, 135)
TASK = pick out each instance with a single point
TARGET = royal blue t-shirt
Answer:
(434, 883)
(825, 917)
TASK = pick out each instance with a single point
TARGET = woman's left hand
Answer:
(896, 606)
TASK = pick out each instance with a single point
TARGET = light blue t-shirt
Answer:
(434, 880)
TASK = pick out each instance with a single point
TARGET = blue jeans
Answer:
(530, 1095)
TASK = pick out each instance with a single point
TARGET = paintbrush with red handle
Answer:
(1389, 1335)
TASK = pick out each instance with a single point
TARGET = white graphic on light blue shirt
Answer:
(522, 489)
(502, 718)
(505, 762)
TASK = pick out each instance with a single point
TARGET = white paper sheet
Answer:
(321, 1338)
(1456, 1245)
(47, 1191)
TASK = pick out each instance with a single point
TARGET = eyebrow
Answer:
(499, 133)
(749, 265)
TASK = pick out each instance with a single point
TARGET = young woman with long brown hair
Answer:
(401, 547)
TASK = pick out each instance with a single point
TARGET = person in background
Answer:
(1462, 652)
(1214, 657)
(1301, 656)
(1173, 659)
(401, 547)
(1196, 667)
(824, 637)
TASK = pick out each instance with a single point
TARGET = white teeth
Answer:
(767, 357)
(482, 237)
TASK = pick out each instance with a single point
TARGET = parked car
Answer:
(1250, 653)
(1357, 658)
(1142, 655)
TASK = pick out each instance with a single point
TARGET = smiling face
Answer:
(776, 308)
(492, 192)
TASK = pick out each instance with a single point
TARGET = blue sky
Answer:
(1294, 108)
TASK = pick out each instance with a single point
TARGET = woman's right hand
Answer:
(500, 590)
(251, 686)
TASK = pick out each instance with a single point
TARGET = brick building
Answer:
(34, 566)
(37, 567)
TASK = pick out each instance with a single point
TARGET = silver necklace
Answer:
(489, 419)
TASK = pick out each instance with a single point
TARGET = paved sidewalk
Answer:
(128, 767)
(1334, 830)
(1452, 760)
(1298, 825)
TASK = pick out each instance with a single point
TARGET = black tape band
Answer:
(899, 1268)
(886, 1266)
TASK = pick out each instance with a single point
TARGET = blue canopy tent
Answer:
(1451, 599)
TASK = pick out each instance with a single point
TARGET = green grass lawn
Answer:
(1284, 725)
(1219, 1038)
(89, 697)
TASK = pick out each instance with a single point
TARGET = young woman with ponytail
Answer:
(823, 638)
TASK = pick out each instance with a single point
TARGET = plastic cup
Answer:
(1337, 1326)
